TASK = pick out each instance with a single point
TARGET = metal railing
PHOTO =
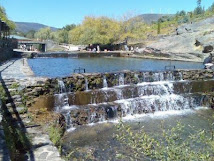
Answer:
(79, 70)
(170, 67)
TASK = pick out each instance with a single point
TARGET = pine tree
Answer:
(199, 9)
(159, 26)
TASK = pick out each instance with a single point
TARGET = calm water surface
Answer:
(60, 67)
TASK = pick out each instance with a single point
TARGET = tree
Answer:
(132, 28)
(30, 34)
(211, 8)
(69, 27)
(198, 10)
(62, 36)
(101, 30)
(159, 27)
(3, 17)
(44, 34)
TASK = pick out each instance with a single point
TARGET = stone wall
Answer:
(77, 54)
(78, 82)
(40, 96)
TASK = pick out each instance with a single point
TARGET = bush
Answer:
(169, 145)
(3, 95)
(56, 132)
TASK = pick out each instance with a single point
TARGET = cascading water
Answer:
(61, 100)
(181, 75)
(122, 101)
(86, 84)
(136, 76)
(105, 84)
(62, 104)
(61, 85)
(121, 79)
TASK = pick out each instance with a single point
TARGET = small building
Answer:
(25, 44)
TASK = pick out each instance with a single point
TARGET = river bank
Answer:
(143, 56)
(15, 76)
(131, 54)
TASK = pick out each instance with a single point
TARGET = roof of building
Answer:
(19, 37)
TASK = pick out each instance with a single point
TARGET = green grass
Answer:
(56, 132)
(170, 144)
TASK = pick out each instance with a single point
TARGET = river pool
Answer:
(62, 67)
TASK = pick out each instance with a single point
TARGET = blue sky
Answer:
(58, 13)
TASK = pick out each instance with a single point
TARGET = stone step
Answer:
(16, 97)
(20, 110)
(16, 104)
(12, 90)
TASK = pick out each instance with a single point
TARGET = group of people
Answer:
(96, 48)
(93, 48)
(131, 48)
(23, 47)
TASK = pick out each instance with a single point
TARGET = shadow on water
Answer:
(14, 128)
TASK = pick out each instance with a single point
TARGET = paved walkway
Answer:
(13, 69)
(43, 149)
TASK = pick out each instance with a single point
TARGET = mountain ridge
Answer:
(150, 17)
(27, 26)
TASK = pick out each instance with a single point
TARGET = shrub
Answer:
(169, 145)
(56, 133)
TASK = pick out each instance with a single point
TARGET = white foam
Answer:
(162, 114)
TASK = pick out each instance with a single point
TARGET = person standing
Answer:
(98, 48)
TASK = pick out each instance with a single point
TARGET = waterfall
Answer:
(181, 76)
(136, 76)
(68, 120)
(169, 76)
(105, 84)
(164, 93)
(161, 76)
(86, 83)
(61, 102)
(61, 99)
(156, 77)
(149, 104)
(121, 79)
(61, 85)
(144, 75)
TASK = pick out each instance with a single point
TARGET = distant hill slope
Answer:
(27, 26)
(149, 18)
(191, 41)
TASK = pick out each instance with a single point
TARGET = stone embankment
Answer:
(77, 82)
(85, 90)
(16, 76)
(35, 87)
